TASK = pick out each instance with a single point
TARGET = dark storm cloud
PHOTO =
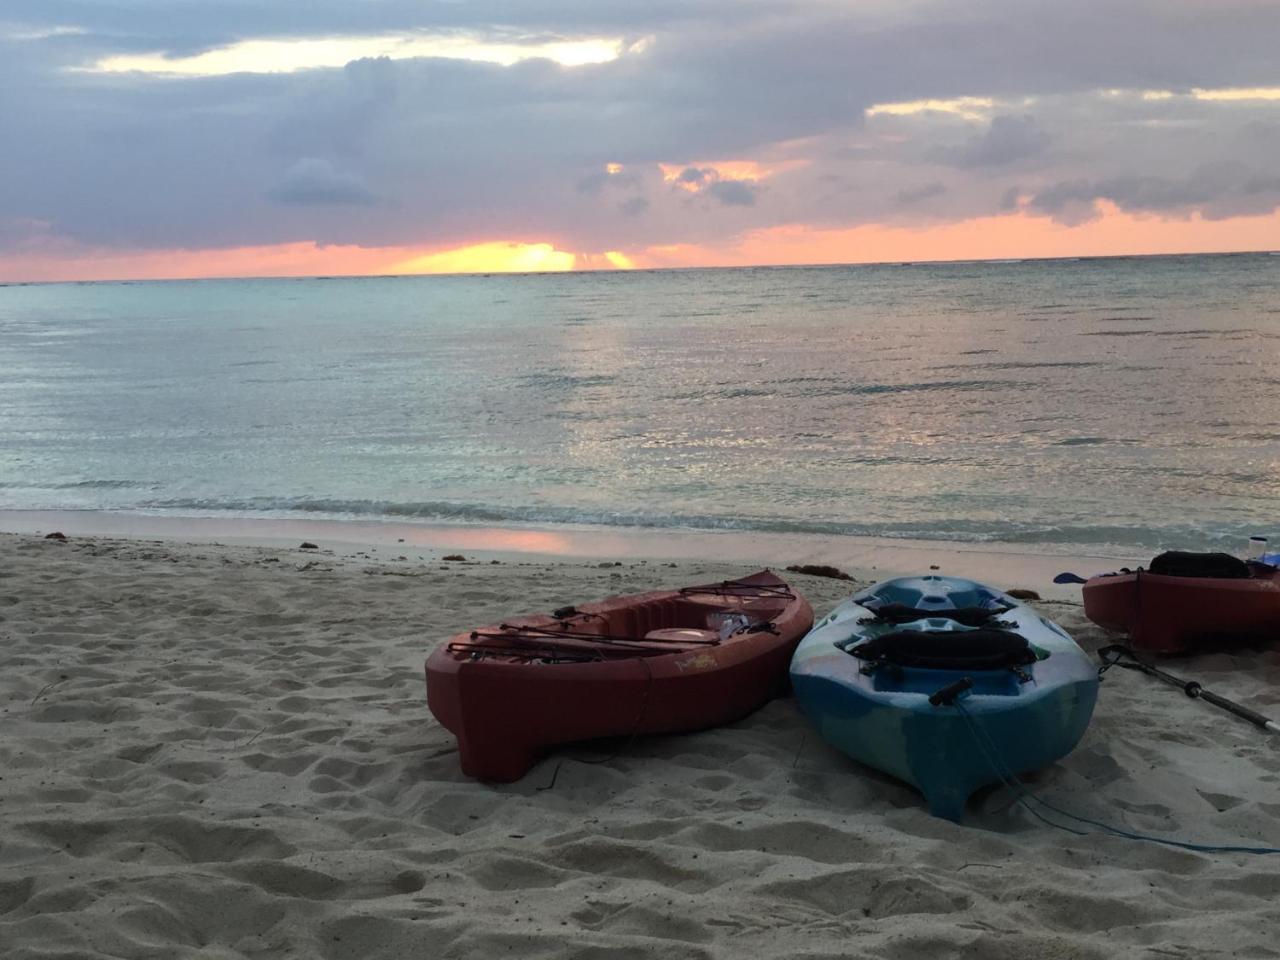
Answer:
(456, 151)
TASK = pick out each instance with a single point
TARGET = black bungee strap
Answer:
(980, 649)
(966, 616)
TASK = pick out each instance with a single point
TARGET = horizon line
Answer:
(1072, 258)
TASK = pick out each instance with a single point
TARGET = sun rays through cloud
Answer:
(490, 258)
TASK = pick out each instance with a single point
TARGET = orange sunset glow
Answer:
(1011, 236)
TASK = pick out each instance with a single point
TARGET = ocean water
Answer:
(1133, 402)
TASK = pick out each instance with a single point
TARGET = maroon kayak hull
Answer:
(646, 663)
(1167, 614)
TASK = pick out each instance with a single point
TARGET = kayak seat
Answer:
(980, 649)
(1217, 566)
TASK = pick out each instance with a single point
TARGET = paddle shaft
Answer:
(1197, 692)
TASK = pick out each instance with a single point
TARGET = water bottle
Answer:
(1257, 549)
(1271, 559)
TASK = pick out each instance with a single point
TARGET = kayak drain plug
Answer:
(947, 695)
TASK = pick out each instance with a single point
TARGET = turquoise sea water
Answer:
(1133, 402)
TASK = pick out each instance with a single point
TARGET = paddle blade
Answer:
(1069, 578)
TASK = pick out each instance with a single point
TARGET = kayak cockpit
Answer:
(917, 657)
(663, 625)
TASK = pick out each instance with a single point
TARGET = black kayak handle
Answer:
(947, 695)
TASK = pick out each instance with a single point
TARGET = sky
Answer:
(190, 138)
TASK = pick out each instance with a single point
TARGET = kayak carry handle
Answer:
(947, 695)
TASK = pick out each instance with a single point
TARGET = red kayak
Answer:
(1189, 600)
(659, 662)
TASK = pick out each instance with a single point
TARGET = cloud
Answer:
(1071, 202)
(592, 183)
(313, 181)
(613, 175)
(306, 53)
(1215, 191)
(710, 182)
(928, 191)
(1006, 140)
(15, 231)
(634, 206)
(696, 176)
(1044, 110)
(733, 193)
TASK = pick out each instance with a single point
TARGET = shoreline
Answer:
(1031, 566)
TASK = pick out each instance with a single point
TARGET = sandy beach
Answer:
(223, 751)
(331, 331)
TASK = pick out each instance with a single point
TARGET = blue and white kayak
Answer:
(944, 683)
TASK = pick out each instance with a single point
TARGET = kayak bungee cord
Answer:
(545, 653)
(1113, 656)
(950, 697)
(564, 645)
(743, 591)
(534, 632)
(531, 648)
(544, 642)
